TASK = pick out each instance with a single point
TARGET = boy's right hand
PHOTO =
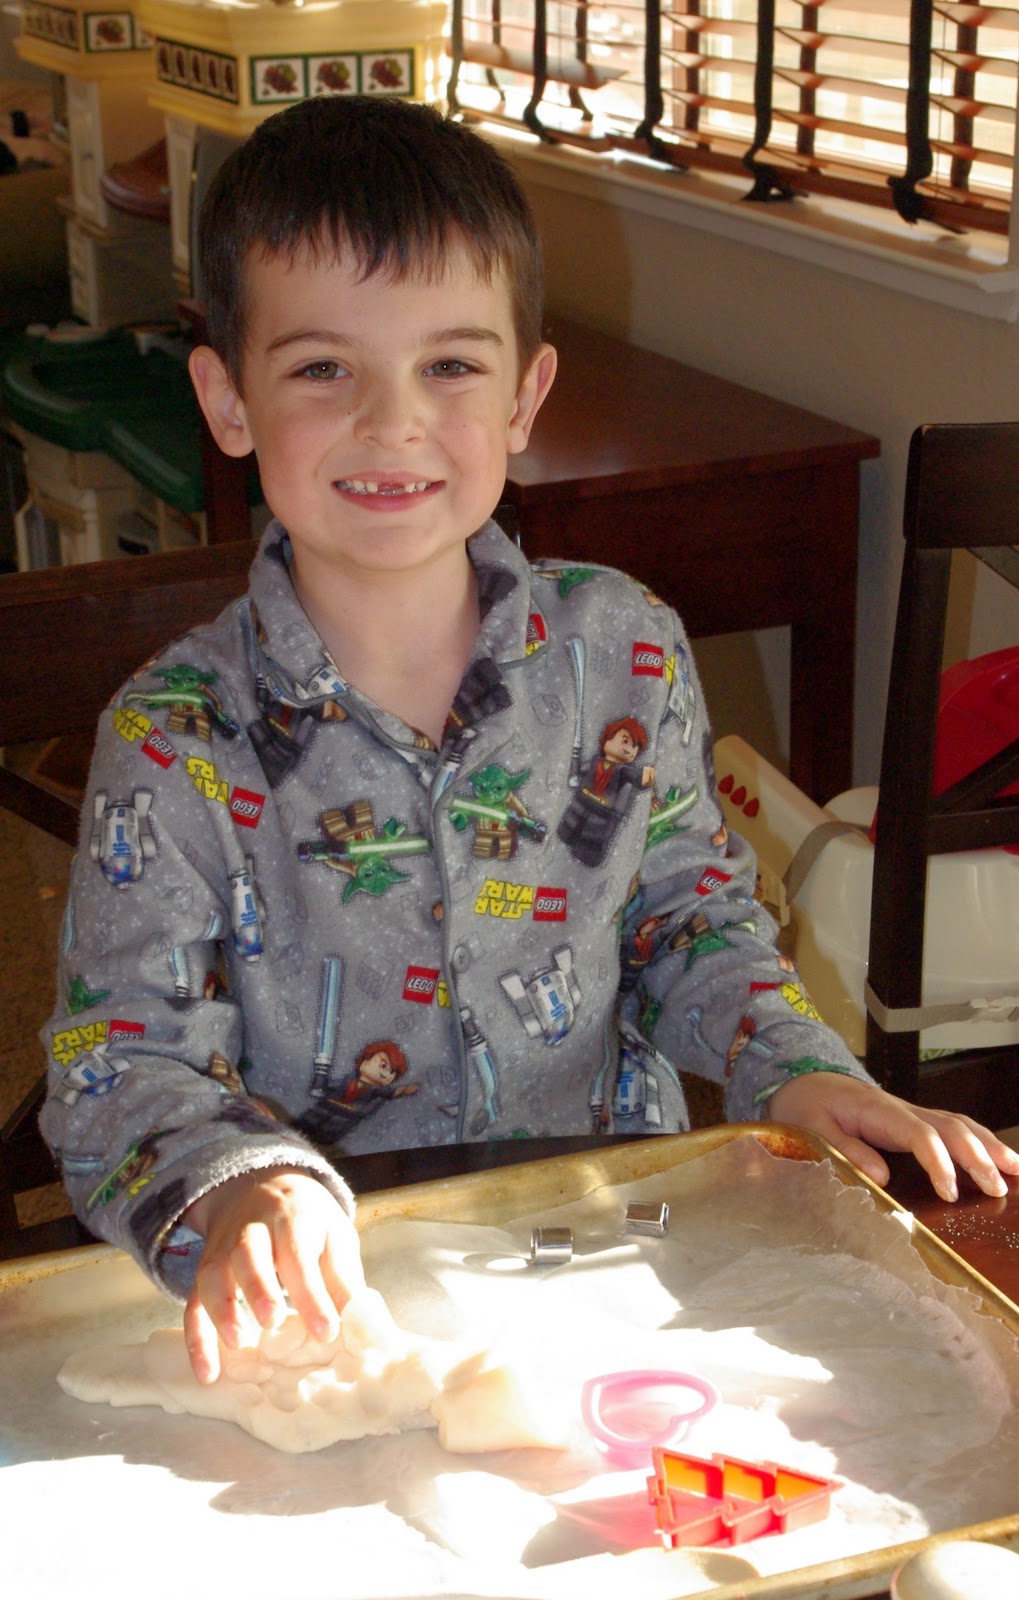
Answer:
(268, 1234)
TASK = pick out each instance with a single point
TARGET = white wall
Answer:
(868, 356)
(12, 68)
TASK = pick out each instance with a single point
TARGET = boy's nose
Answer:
(390, 412)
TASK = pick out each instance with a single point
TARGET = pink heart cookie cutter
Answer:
(611, 1402)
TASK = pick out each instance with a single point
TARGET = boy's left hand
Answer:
(855, 1117)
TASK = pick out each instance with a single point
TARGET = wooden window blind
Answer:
(911, 106)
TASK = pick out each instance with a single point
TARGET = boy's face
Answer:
(381, 412)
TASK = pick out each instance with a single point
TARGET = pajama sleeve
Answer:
(146, 1108)
(701, 974)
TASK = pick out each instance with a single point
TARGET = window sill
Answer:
(969, 273)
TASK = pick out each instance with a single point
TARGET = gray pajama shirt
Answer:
(296, 930)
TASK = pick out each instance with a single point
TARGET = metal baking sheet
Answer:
(230, 1490)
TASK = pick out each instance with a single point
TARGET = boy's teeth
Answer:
(363, 486)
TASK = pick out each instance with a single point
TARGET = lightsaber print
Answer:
(480, 1058)
(662, 820)
(328, 1017)
(575, 646)
(503, 816)
(452, 761)
(181, 975)
(355, 850)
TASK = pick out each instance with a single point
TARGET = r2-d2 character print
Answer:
(547, 1003)
(246, 913)
(122, 839)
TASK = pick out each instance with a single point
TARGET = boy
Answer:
(300, 897)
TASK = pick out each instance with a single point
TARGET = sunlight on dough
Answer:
(297, 1393)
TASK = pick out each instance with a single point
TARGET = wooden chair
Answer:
(962, 492)
(70, 637)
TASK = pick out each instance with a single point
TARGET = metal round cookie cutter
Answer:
(551, 1246)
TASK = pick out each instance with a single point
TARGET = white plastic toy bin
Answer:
(971, 945)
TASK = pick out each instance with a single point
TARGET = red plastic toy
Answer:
(978, 715)
(728, 1501)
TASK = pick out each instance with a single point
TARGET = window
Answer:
(910, 107)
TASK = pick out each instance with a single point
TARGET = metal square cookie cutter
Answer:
(649, 1217)
(554, 1246)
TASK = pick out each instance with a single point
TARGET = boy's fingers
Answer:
(972, 1149)
(932, 1155)
(216, 1289)
(320, 1270)
(1005, 1156)
(985, 1175)
(941, 1141)
(342, 1271)
(855, 1123)
(271, 1237)
(201, 1340)
(894, 1125)
(855, 1117)
(850, 1143)
(302, 1278)
(257, 1278)
(861, 1155)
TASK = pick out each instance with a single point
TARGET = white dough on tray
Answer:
(297, 1393)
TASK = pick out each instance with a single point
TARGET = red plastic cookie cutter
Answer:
(623, 1410)
(728, 1501)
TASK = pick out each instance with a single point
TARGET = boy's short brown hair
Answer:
(389, 179)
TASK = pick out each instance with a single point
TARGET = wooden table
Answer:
(983, 1231)
(739, 510)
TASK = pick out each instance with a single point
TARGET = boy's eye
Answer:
(449, 368)
(323, 370)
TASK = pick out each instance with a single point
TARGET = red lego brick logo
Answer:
(712, 879)
(159, 749)
(648, 660)
(420, 984)
(118, 1029)
(549, 905)
(246, 807)
(537, 632)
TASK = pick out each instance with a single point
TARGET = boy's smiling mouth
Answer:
(371, 486)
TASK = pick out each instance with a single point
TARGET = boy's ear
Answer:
(219, 400)
(534, 386)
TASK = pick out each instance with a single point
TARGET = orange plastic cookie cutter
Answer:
(728, 1501)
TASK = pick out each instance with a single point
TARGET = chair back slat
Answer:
(962, 492)
(962, 485)
(70, 636)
